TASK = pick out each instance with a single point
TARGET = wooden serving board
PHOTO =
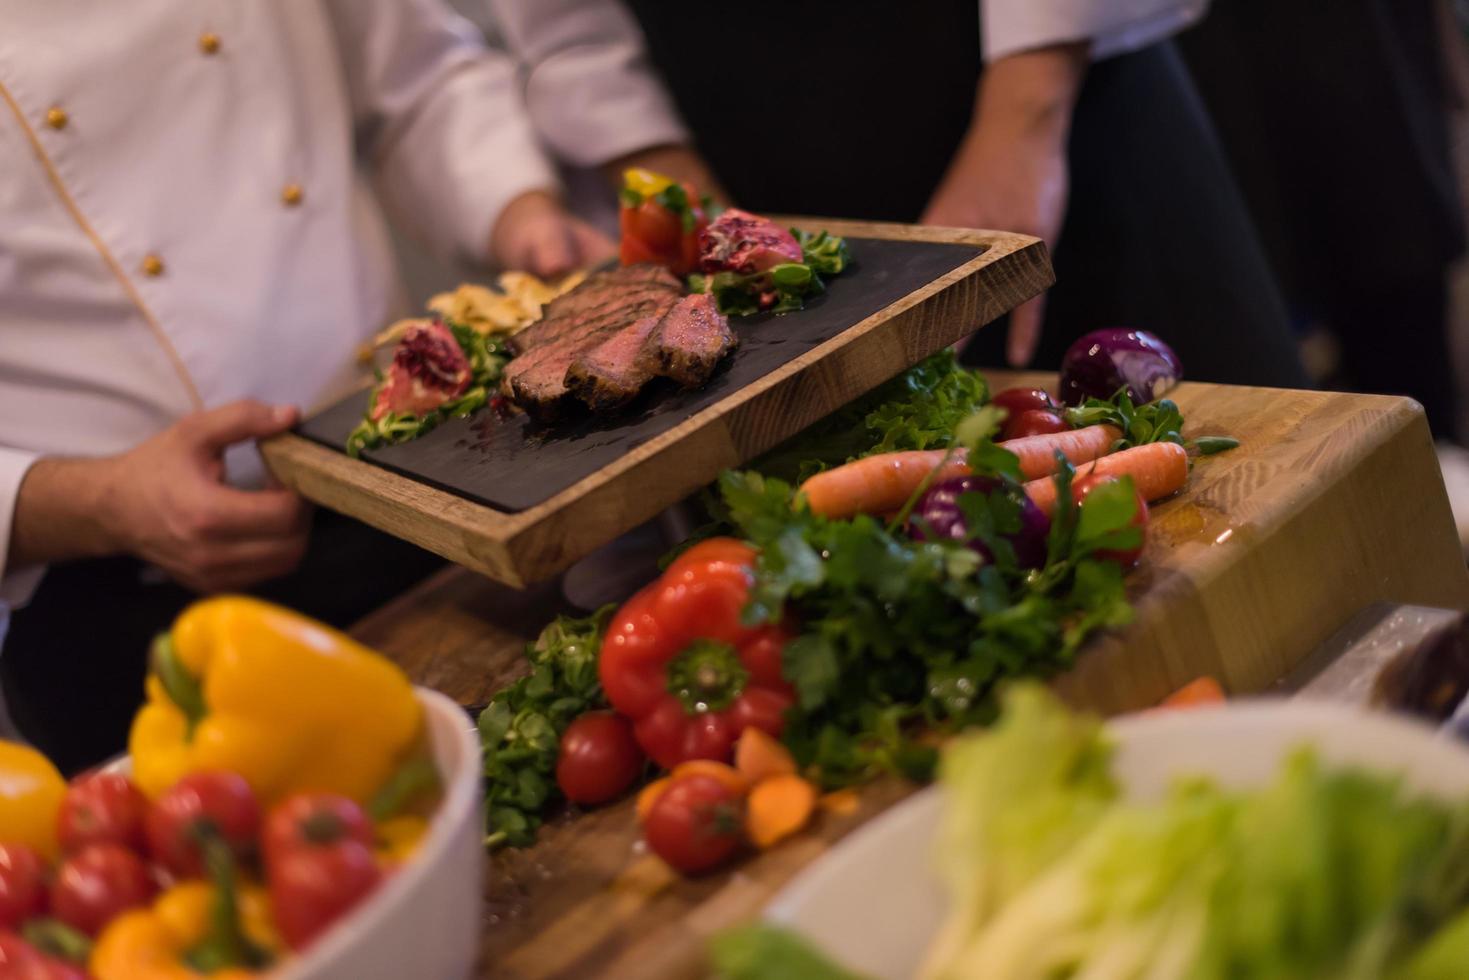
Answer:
(1332, 502)
(519, 502)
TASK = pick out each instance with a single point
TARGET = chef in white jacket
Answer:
(971, 113)
(191, 251)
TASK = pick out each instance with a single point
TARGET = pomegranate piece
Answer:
(429, 368)
(739, 241)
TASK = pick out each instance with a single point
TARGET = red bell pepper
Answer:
(679, 664)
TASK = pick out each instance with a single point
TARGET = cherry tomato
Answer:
(1033, 422)
(311, 887)
(101, 807)
(1085, 485)
(97, 884)
(600, 758)
(310, 819)
(653, 225)
(1017, 400)
(653, 233)
(695, 824)
(219, 801)
(19, 960)
(22, 884)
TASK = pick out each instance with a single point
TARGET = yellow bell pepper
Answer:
(30, 794)
(290, 704)
(398, 838)
(154, 943)
(645, 182)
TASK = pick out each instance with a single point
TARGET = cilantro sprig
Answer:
(1158, 421)
(487, 360)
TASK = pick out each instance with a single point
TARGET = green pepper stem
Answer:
(225, 944)
(707, 676)
(182, 688)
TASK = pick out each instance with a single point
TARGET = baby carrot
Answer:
(877, 484)
(1202, 690)
(1157, 469)
(1038, 453)
(778, 807)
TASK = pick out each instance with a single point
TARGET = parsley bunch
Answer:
(896, 631)
(520, 730)
(487, 359)
(919, 409)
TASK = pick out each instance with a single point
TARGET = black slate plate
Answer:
(514, 464)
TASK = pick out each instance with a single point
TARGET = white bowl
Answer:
(874, 905)
(424, 921)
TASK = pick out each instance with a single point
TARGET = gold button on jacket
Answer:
(152, 265)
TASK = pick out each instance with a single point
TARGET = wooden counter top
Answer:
(1333, 501)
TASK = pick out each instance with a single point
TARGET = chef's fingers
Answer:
(241, 564)
(551, 250)
(1025, 332)
(217, 428)
(227, 514)
(592, 246)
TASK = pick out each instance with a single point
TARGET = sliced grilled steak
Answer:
(611, 374)
(601, 292)
(691, 340)
(537, 379)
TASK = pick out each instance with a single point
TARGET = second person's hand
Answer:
(1011, 173)
(537, 234)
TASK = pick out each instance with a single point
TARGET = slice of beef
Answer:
(691, 340)
(611, 374)
(625, 284)
(537, 380)
(612, 306)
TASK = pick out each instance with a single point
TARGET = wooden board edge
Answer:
(463, 532)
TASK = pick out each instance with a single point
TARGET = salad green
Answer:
(1321, 873)
(520, 730)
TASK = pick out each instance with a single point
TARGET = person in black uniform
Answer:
(858, 110)
(1335, 119)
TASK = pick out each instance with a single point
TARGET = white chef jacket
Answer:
(182, 219)
(594, 97)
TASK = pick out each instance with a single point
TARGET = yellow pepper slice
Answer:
(289, 703)
(30, 794)
(645, 182)
(152, 943)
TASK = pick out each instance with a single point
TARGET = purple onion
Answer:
(938, 516)
(1105, 360)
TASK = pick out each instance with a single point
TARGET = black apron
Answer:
(1344, 157)
(73, 663)
(854, 110)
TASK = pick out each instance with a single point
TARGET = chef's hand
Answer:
(1010, 173)
(535, 233)
(165, 502)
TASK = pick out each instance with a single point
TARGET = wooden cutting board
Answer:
(519, 502)
(1332, 502)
